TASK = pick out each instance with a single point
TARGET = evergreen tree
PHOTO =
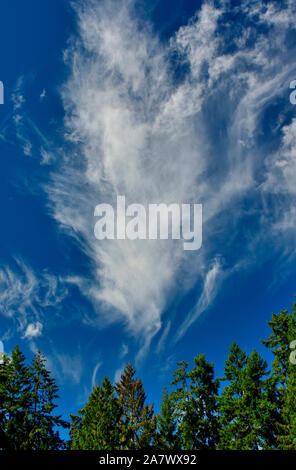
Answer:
(246, 408)
(181, 404)
(138, 423)
(14, 402)
(230, 399)
(43, 433)
(167, 425)
(98, 425)
(26, 405)
(195, 403)
(204, 388)
(283, 326)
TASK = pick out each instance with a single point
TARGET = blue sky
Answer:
(162, 101)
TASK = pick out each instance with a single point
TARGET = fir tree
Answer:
(195, 403)
(26, 404)
(14, 402)
(245, 407)
(98, 425)
(167, 425)
(138, 423)
(283, 326)
(43, 423)
(204, 389)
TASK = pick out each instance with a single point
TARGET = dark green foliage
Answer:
(27, 395)
(247, 407)
(97, 426)
(44, 391)
(283, 326)
(256, 408)
(167, 424)
(115, 417)
(194, 404)
(138, 423)
(14, 402)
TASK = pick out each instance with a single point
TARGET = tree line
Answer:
(249, 408)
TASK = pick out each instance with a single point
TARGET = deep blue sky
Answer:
(39, 257)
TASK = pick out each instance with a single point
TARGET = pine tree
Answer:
(98, 425)
(138, 423)
(283, 326)
(204, 389)
(229, 401)
(43, 433)
(14, 402)
(246, 408)
(180, 399)
(260, 407)
(167, 437)
(26, 405)
(195, 403)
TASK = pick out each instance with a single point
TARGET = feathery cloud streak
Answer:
(25, 296)
(135, 128)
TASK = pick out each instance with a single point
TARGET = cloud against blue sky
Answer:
(189, 111)
(141, 134)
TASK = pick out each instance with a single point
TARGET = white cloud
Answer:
(46, 157)
(133, 131)
(25, 294)
(65, 367)
(118, 373)
(210, 288)
(163, 338)
(282, 168)
(123, 351)
(19, 129)
(33, 330)
(17, 97)
(42, 94)
(94, 375)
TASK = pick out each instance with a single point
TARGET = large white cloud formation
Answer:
(136, 128)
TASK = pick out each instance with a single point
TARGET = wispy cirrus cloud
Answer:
(210, 288)
(136, 129)
(18, 129)
(65, 367)
(25, 295)
(123, 350)
(94, 374)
